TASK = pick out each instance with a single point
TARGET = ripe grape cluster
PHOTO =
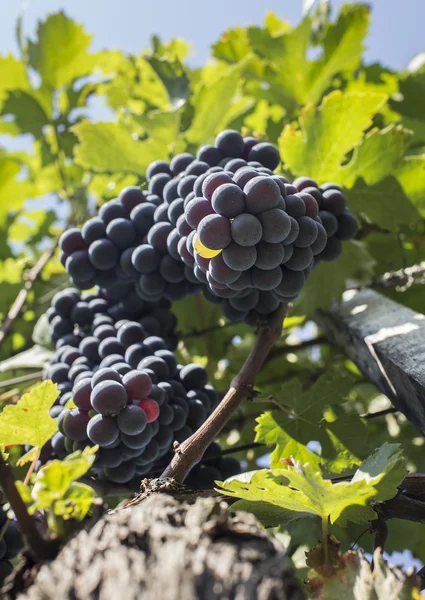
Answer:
(221, 222)
(130, 396)
(11, 542)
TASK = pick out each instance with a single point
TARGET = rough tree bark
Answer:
(164, 548)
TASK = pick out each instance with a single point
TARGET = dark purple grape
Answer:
(245, 303)
(307, 234)
(132, 420)
(194, 376)
(329, 222)
(102, 430)
(130, 197)
(311, 205)
(158, 182)
(295, 206)
(243, 175)
(75, 425)
(246, 230)
(175, 210)
(197, 167)
(300, 259)
(214, 232)
(180, 162)
(332, 250)
(334, 201)
(157, 236)
(220, 272)
(212, 182)
(142, 217)
(347, 226)
(171, 270)
(112, 210)
(145, 259)
(228, 200)
(131, 333)
(81, 394)
(104, 254)
(303, 182)
(291, 284)
(266, 154)
(262, 194)
(235, 164)
(161, 213)
(209, 154)
(239, 258)
(266, 280)
(79, 266)
(108, 397)
(71, 241)
(269, 255)
(104, 374)
(321, 240)
(157, 166)
(276, 225)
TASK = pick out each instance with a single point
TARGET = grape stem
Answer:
(190, 452)
(40, 548)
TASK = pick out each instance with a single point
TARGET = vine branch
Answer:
(21, 298)
(40, 548)
(189, 453)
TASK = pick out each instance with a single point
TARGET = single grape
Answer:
(291, 284)
(112, 210)
(171, 270)
(307, 234)
(332, 250)
(347, 226)
(75, 425)
(266, 154)
(130, 197)
(145, 259)
(197, 167)
(71, 241)
(81, 394)
(266, 280)
(269, 255)
(228, 200)
(193, 376)
(158, 182)
(180, 162)
(334, 201)
(295, 206)
(214, 232)
(276, 225)
(157, 166)
(131, 333)
(246, 230)
(150, 409)
(104, 374)
(303, 182)
(108, 397)
(300, 259)
(239, 258)
(212, 182)
(102, 430)
(79, 266)
(132, 420)
(158, 366)
(175, 210)
(142, 217)
(230, 143)
(161, 213)
(329, 222)
(320, 242)
(103, 254)
(262, 193)
(209, 154)
(221, 272)
(245, 303)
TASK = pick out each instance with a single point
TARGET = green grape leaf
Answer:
(36, 357)
(60, 52)
(384, 203)
(376, 157)
(386, 462)
(109, 147)
(13, 192)
(13, 76)
(325, 134)
(232, 46)
(302, 489)
(76, 502)
(163, 127)
(305, 415)
(28, 421)
(350, 577)
(411, 175)
(342, 48)
(174, 78)
(212, 102)
(57, 489)
(55, 478)
(328, 282)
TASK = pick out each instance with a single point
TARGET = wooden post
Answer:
(387, 342)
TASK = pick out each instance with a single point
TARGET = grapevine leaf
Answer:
(76, 502)
(376, 157)
(60, 52)
(342, 48)
(13, 192)
(29, 115)
(386, 462)
(302, 489)
(28, 421)
(304, 418)
(328, 282)
(232, 46)
(36, 357)
(13, 76)
(109, 147)
(325, 134)
(173, 77)
(55, 478)
(411, 175)
(384, 203)
(212, 102)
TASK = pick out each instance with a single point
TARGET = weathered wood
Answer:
(163, 549)
(387, 342)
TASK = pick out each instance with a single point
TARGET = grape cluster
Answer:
(221, 222)
(131, 396)
(11, 542)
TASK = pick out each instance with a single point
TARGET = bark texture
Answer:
(166, 549)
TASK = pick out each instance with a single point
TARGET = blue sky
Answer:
(395, 37)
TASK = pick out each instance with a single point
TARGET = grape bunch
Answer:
(130, 395)
(11, 542)
(221, 223)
